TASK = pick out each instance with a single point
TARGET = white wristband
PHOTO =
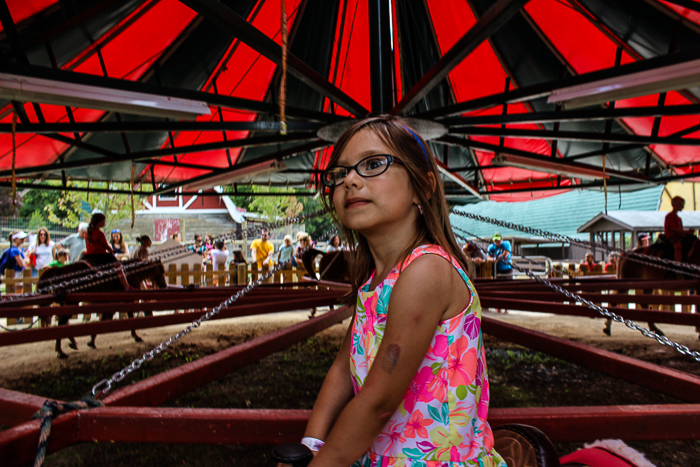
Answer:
(312, 443)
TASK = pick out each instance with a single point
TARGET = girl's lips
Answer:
(354, 202)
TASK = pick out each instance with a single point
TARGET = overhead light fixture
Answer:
(457, 179)
(570, 169)
(643, 83)
(45, 91)
(229, 177)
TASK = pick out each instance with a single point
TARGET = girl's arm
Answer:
(335, 393)
(418, 301)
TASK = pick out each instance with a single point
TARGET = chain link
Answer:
(104, 386)
(663, 340)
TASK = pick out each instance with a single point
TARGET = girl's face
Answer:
(42, 236)
(367, 204)
(147, 243)
(115, 237)
(287, 242)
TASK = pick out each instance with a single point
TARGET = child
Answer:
(98, 251)
(141, 251)
(60, 261)
(409, 385)
(286, 250)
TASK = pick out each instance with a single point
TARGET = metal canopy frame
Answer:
(304, 123)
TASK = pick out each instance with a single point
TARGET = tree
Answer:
(7, 209)
(320, 225)
(35, 201)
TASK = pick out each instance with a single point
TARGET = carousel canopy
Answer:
(518, 98)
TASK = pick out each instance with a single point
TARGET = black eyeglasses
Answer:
(368, 167)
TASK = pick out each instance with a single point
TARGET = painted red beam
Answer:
(643, 299)
(169, 294)
(683, 386)
(157, 305)
(668, 317)
(18, 407)
(86, 329)
(178, 381)
(612, 285)
(29, 301)
(18, 445)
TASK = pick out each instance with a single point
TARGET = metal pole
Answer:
(380, 57)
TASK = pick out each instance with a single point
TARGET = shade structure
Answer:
(484, 69)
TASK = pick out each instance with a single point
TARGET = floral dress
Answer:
(441, 421)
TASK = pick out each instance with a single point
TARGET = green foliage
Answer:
(275, 207)
(69, 208)
(318, 225)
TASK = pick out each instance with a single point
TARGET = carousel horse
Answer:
(630, 269)
(334, 266)
(153, 271)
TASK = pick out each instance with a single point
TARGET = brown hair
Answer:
(48, 237)
(433, 225)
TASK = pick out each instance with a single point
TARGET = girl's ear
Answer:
(433, 184)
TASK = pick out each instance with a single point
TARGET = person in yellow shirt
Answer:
(262, 249)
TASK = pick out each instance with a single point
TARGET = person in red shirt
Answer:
(98, 251)
(673, 228)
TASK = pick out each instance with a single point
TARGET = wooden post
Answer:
(172, 274)
(197, 273)
(185, 274)
(232, 273)
(254, 271)
(221, 275)
(242, 274)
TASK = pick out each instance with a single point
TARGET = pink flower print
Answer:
(472, 325)
(438, 386)
(462, 364)
(391, 436)
(479, 372)
(441, 347)
(416, 426)
(418, 389)
(483, 409)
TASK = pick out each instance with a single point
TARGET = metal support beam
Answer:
(542, 90)
(573, 115)
(576, 136)
(380, 57)
(158, 126)
(496, 16)
(238, 27)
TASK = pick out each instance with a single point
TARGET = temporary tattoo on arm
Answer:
(392, 358)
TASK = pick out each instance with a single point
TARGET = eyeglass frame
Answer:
(391, 158)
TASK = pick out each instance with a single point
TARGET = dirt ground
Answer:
(519, 378)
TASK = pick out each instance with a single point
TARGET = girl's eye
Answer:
(374, 164)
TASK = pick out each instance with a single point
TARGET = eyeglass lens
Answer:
(371, 166)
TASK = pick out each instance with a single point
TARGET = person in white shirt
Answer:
(219, 254)
(333, 244)
(43, 248)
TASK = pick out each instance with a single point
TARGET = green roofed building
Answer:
(562, 215)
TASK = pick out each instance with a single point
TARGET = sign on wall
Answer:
(164, 228)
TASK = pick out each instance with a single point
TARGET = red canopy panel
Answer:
(242, 72)
(481, 74)
(564, 27)
(126, 55)
(23, 9)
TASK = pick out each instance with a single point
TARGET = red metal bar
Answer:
(157, 305)
(86, 329)
(18, 407)
(642, 299)
(675, 383)
(169, 294)
(515, 285)
(669, 317)
(18, 445)
(173, 383)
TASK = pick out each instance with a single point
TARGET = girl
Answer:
(333, 244)
(99, 252)
(43, 249)
(118, 244)
(141, 252)
(409, 385)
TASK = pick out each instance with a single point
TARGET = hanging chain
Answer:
(673, 266)
(104, 386)
(663, 340)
